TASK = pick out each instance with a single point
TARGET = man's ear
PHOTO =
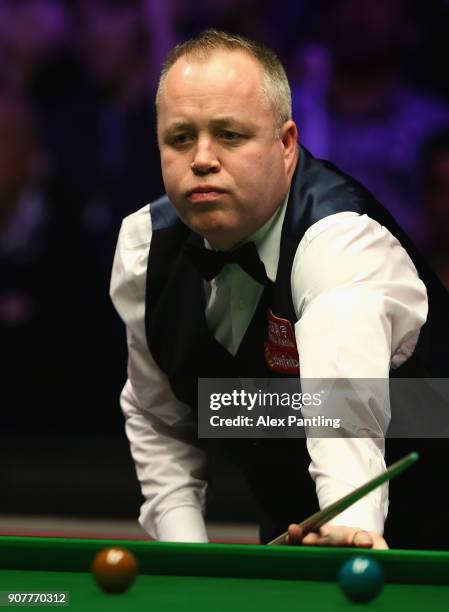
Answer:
(289, 139)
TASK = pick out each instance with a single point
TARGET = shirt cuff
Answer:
(182, 524)
(362, 515)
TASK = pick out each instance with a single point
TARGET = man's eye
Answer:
(180, 139)
(228, 135)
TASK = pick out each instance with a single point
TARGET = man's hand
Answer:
(336, 535)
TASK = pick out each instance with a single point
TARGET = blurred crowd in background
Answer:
(78, 152)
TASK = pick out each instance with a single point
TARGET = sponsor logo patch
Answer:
(281, 354)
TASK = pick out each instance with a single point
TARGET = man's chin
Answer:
(218, 235)
(208, 222)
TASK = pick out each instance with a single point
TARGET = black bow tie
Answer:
(209, 263)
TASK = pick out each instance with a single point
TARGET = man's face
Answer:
(225, 167)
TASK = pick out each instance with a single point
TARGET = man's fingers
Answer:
(369, 539)
(294, 534)
(312, 539)
(336, 536)
(380, 543)
(362, 539)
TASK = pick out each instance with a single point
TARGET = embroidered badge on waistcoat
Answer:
(281, 354)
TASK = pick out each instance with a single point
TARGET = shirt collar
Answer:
(268, 238)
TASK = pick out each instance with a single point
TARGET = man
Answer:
(234, 174)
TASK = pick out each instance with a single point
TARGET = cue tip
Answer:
(414, 456)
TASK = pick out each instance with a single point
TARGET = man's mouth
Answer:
(204, 193)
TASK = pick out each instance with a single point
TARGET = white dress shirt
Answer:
(360, 306)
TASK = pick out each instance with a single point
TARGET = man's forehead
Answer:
(220, 69)
(204, 89)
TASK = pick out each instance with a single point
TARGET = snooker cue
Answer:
(323, 516)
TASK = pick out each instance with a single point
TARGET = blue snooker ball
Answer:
(361, 578)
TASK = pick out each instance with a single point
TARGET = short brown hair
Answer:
(275, 86)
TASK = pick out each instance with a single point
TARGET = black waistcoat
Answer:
(177, 333)
(185, 350)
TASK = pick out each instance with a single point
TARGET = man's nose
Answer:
(205, 158)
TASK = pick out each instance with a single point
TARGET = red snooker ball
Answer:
(114, 569)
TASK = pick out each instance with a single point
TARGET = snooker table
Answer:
(220, 577)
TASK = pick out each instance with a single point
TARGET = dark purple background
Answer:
(78, 152)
